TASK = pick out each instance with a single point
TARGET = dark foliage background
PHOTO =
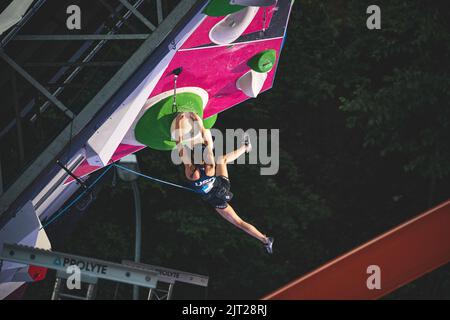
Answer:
(364, 123)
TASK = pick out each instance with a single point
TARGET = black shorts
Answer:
(220, 194)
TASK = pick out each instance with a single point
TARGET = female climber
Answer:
(210, 178)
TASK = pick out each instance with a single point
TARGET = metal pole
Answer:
(37, 85)
(138, 15)
(137, 246)
(150, 293)
(90, 294)
(75, 64)
(18, 119)
(159, 11)
(170, 291)
(80, 37)
(56, 289)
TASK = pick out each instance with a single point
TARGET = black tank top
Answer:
(205, 183)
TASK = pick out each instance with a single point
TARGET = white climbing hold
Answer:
(251, 83)
(232, 26)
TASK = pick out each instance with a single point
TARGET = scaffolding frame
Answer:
(91, 270)
(78, 122)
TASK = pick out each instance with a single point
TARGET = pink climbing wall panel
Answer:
(201, 35)
(216, 68)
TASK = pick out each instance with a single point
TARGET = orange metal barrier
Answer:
(403, 254)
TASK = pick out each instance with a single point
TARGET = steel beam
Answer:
(80, 37)
(37, 85)
(18, 119)
(114, 12)
(159, 11)
(138, 15)
(75, 64)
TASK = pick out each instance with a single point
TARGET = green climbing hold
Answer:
(219, 8)
(208, 123)
(153, 128)
(264, 61)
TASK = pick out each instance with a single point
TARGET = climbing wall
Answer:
(232, 55)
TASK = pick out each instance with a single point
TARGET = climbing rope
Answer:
(78, 198)
(89, 188)
(154, 179)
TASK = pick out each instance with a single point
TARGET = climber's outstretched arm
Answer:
(182, 149)
(207, 139)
